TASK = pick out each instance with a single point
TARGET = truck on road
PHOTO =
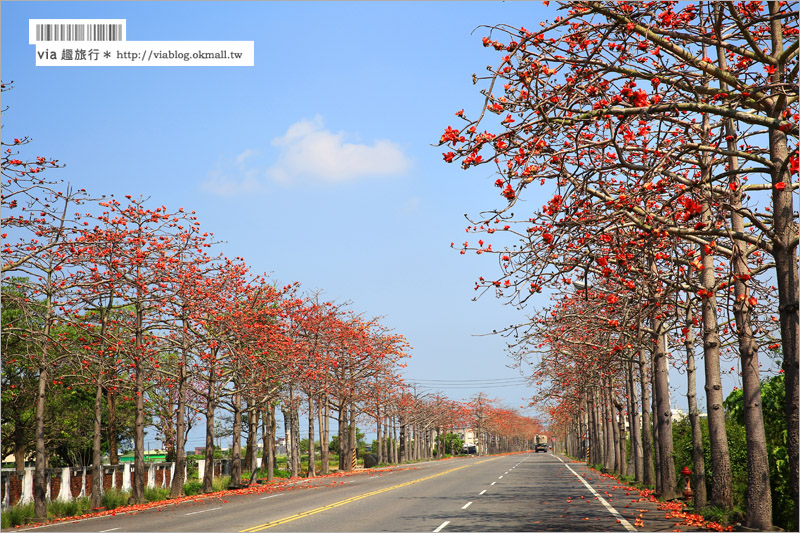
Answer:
(540, 443)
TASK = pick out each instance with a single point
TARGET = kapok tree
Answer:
(145, 253)
(38, 224)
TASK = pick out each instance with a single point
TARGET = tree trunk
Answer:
(759, 497)
(287, 431)
(721, 488)
(656, 443)
(39, 475)
(137, 489)
(352, 437)
(648, 468)
(324, 451)
(312, 467)
(97, 464)
(611, 463)
(415, 455)
(698, 460)
(620, 433)
(268, 441)
(20, 449)
(140, 475)
(379, 435)
(251, 452)
(595, 446)
(176, 487)
(664, 421)
(236, 445)
(113, 448)
(211, 403)
(636, 430)
(343, 441)
(395, 442)
(662, 410)
(266, 464)
(401, 452)
(295, 411)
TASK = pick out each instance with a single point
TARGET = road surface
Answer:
(516, 492)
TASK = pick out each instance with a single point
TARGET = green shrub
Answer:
(156, 494)
(221, 483)
(723, 516)
(114, 498)
(784, 514)
(773, 399)
(17, 515)
(69, 508)
(191, 488)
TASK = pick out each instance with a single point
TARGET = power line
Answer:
(473, 387)
(469, 382)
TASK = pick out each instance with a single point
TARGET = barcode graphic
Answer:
(78, 32)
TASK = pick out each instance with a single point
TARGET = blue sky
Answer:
(316, 165)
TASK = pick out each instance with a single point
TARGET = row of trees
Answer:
(667, 133)
(122, 310)
(425, 421)
(126, 302)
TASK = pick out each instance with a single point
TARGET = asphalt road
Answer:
(518, 492)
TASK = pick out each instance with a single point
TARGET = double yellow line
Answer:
(304, 514)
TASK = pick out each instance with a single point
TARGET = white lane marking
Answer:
(482, 492)
(467, 505)
(204, 511)
(506, 471)
(493, 482)
(272, 496)
(444, 525)
(107, 530)
(501, 477)
(627, 525)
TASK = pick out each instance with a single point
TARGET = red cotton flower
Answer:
(780, 185)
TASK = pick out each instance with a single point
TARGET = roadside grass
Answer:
(19, 515)
(71, 508)
(192, 488)
(16, 515)
(724, 516)
(221, 483)
(156, 494)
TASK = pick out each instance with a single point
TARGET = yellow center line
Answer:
(298, 516)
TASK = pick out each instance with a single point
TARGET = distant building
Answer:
(154, 456)
(468, 436)
(679, 414)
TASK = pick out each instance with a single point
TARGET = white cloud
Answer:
(244, 156)
(222, 185)
(307, 150)
(235, 179)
